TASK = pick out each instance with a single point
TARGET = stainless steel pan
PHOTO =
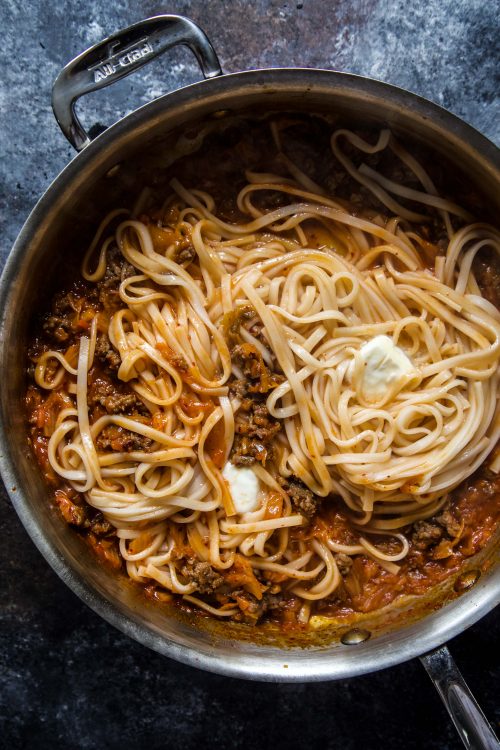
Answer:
(104, 172)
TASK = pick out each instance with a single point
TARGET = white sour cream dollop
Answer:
(243, 486)
(385, 368)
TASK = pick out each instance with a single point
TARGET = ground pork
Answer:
(206, 578)
(113, 438)
(260, 378)
(117, 270)
(344, 563)
(185, 254)
(107, 354)
(252, 609)
(254, 433)
(303, 500)
(76, 512)
(431, 531)
(62, 323)
(114, 398)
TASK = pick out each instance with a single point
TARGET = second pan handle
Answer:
(118, 56)
(470, 722)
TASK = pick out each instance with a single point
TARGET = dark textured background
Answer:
(68, 679)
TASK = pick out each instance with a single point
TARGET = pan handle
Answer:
(118, 56)
(470, 722)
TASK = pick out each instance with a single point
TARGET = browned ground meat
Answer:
(58, 328)
(255, 431)
(448, 520)
(64, 321)
(431, 531)
(254, 427)
(107, 354)
(344, 563)
(117, 270)
(114, 397)
(185, 254)
(114, 438)
(251, 609)
(239, 388)
(100, 526)
(206, 578)
(234, 320)
(260, 378)
(76, 512)
(303, 500)
(426, 533)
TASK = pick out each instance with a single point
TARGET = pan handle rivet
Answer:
(355, 636)
(466, 580)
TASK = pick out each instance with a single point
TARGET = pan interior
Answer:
(107, 174)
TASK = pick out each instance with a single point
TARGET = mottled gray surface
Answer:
(67, 679)
(446, 50)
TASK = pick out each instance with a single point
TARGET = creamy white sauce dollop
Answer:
(243, 486)
(385, 367)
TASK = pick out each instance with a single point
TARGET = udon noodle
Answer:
(264, 303)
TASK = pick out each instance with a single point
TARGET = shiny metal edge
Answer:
(283, 665)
